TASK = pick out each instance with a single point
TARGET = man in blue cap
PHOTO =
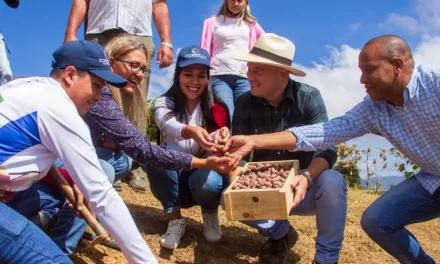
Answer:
(40, 122)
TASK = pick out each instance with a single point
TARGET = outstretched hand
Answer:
(223, 164)
(239, 145)
(201, 136)
(221, 137)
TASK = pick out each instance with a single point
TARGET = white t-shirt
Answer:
(133, 16)
(171, 129)
(229, 38)
(38, 123)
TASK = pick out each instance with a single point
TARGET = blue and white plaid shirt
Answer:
(414, 128)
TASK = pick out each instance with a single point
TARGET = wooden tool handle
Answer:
(68, 191)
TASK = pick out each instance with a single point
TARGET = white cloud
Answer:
(160, 82)
(424, 20)
(337, 78)
(354, 27)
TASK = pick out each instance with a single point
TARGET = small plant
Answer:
(152, 129)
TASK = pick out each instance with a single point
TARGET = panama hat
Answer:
(274, 50)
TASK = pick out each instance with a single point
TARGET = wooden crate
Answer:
(261, 204)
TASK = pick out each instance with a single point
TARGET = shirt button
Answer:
(276, 112)
(428, 146)
(279, 153)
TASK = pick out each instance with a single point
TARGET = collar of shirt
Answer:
(411, 88)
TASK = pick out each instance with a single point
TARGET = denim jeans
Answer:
(327, 199)
(385, 219)
(23, 242)
(228, 88)
(108, 169)
(121, 163)
(184, 189)
(5, 68)
(67, 229)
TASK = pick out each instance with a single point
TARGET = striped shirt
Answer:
(133, 16)
(414, 128)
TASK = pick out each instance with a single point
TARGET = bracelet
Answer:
(169, 45)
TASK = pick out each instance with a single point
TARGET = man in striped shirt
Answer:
(402, 106)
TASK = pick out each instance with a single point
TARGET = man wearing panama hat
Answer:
(274, 103)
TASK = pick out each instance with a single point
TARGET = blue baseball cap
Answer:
(193, 55)
(87, 56)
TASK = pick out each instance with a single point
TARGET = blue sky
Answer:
(36, 28)
(328, 36)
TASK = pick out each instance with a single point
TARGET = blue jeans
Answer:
(184, 189)
(327, 199)
(106, 167)
(385, 219)
(120, 162)
(228, 88)
(67, 229)
(5, 68)
(23, 242)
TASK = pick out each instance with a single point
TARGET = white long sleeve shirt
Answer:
(171, 128)
(38, 123)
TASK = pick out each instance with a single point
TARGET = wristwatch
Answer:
(309, 179)
(167, 44)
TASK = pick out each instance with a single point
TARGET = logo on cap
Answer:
(105, 60)
(195, 53)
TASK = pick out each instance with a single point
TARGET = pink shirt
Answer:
(207, 41)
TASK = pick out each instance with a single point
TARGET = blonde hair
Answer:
(245, 14)
(134, 106)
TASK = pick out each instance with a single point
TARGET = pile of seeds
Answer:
(262, 176)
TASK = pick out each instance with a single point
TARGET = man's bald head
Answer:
(391, 47)
(387, 64)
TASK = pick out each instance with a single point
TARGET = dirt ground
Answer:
(241, 244)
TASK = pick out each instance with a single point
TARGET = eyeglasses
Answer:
(136, 67)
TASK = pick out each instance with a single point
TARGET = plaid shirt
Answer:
(414, 129)
(301, 105)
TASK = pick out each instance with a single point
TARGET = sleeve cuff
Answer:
(301, 143)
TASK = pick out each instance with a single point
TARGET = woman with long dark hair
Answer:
(188, 116)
